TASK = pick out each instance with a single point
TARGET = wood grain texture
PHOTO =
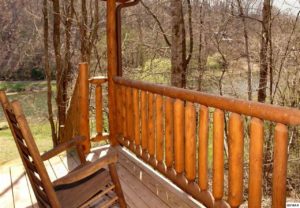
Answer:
(190, 141)
(280, 166)
(256, 162)
(236, 160)
(179, 132)
(203, 147)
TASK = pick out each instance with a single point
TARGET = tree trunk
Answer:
(83, 33)
(266, 13)
(60, 78)
(178, 46)
(246, 38)
(68, 27)
(48, 72)
(202, 55)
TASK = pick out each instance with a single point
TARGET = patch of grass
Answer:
(19, 86)
(9, 152)
(34, 105)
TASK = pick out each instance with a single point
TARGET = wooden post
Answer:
(256, 162)
(151, 129)
(280, 166)
(159, 133)
(137, 120)
(84, 129)
(169, 125)
(144, 117)
(190, 142)
(179, 135)
(203, 147)
(236, 154)
(99, 106)
(218, 157)
(112, 68)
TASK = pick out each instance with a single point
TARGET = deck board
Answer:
(141, 188)
(21, 190)
(6, 191)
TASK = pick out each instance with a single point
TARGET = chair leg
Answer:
(116, 181)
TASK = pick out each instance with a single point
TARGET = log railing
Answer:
(98, 82)
(168, 128)
(77, 117)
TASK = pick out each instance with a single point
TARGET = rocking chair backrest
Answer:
(29, 153)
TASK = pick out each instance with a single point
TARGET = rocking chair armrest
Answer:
(87, 169)
(62, 147)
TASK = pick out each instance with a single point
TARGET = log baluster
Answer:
(169, 147)
(218, 158)
(280, 166)
(179, 132)
(159, 133)
(125, 135)
(190, 144)
(136, 115)
(236, 154)
(144, 117)
(130, 121)
(256, 162)
(203, 148)
(119, 112)
(98, 82)
(151, 129)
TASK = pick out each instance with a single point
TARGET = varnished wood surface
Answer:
(141, 186)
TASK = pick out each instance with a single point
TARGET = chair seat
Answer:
(75, 194)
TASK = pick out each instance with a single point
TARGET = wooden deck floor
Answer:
(141, 185)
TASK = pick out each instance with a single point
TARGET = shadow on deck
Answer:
(142, 186)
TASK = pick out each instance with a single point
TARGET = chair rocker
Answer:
(85, 186)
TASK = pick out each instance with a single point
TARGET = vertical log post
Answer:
(218, 157)
(99, 106)
(137, 126)
(280, 166)
(203, 147)
(159, 133)
(84, 122)
(151, 129)
(112, 68)
(236, 154)
(179, 132)
(256, 162)
(190, 142)
(169, 148)
(144, 117)
(119, 113)
(124, 115)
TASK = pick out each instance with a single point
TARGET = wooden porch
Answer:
(141, 185)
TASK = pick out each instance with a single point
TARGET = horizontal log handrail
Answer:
(263, 111)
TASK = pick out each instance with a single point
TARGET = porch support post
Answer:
(112, 68)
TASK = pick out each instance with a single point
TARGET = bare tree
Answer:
(48, 72)
(246, 39)
(265, 35)
(179, 57)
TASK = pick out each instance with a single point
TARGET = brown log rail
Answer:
(77, 116)
(168, 128)
(98, 82)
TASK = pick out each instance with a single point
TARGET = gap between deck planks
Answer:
(142, 187)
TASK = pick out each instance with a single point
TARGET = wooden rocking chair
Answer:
(83, 187)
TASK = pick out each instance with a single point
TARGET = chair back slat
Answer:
(29, 153)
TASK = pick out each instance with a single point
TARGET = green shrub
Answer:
(37, 74)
